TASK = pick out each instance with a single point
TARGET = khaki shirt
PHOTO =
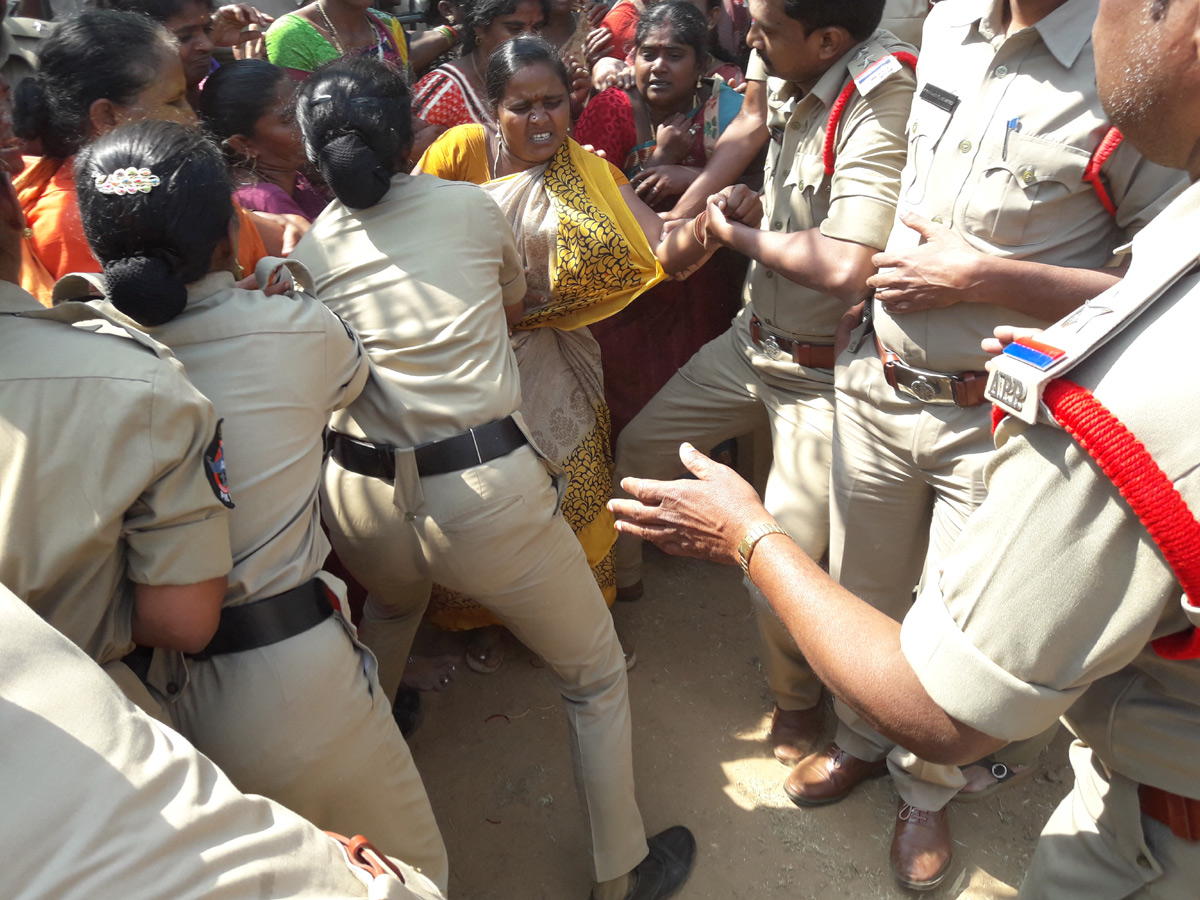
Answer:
(117, 805)
(857, 203)
(422, 276)
(103, 477)
(1054, 589)
(905, 18)
(1016, 192)
(275, 369)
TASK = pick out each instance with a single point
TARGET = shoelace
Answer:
(910, 813)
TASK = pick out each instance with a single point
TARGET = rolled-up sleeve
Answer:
(1052, 584)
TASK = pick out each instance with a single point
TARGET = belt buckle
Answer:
(927, 387)
(770, 346)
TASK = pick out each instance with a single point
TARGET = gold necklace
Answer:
(337, 44)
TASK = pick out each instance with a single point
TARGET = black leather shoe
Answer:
(664, 871)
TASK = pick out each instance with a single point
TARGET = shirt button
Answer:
(964, 147)
(938, 219)
(776, 225)
(410, 517)
(1001, 71)
(1028, 176)
(769, 274)
(914, 127)
(172, 687)
(795, 126)
(1143, 861)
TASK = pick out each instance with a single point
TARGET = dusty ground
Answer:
(494, 755)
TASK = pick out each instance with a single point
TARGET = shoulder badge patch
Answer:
(214, 468)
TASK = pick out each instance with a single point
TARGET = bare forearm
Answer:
(178, 616)
(1036, 289)
(679, 249)
(809, 258)
(855, 650)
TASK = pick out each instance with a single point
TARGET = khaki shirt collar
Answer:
(1065, 31)
(208, 290)
(14, 299)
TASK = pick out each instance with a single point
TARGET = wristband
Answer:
(698, 225)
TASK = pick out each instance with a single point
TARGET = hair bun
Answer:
(148, 289)
(353, 172)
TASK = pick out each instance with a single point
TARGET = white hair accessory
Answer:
(126, 181)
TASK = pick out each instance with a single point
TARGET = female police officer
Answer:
(283, 698)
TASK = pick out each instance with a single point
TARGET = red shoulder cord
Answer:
(1151, 495)
(839, 107)
(1091, 174)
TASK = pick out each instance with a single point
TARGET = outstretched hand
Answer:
(706, 518)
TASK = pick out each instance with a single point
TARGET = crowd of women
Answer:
(400, 365)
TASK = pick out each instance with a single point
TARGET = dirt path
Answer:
(493, 752)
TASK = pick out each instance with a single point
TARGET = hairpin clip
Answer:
(126, 181)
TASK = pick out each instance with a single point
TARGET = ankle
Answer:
(614, 888)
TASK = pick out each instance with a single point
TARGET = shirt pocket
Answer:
(1025, 193)
(806, 194)
(926, 125)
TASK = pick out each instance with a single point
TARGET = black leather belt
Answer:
(270, 620)
(473, 447)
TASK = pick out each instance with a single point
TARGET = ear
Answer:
(241, 145)
(833, 42)
(104, 116)
(446, 9)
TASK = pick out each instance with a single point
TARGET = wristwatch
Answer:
(753, 536)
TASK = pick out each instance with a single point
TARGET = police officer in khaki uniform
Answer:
(112, 527)
(1055, 599)
(275, 368)
(432, 475)
(810, 261)
(117, 805)
(997, 225)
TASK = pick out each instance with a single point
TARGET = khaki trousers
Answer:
(1098, 846)
(493, 532)
(305, 722)
(721, 392)
(905, 477)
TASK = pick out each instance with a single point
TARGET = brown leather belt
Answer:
(473, 447)
(1180, 814)
(802, 353)
(963, 389)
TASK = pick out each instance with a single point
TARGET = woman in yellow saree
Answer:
(590, 246)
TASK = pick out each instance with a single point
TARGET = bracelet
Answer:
(697, 225)
(450, 34)
(745, 549)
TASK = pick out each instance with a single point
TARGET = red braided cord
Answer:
(1091, 174)
(1146, 488)
(839, 107)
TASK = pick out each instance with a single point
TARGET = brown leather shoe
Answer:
(794, 732)
(921, 848)
(828, 776)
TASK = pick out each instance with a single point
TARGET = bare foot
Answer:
(485, 650)
(429, 673)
